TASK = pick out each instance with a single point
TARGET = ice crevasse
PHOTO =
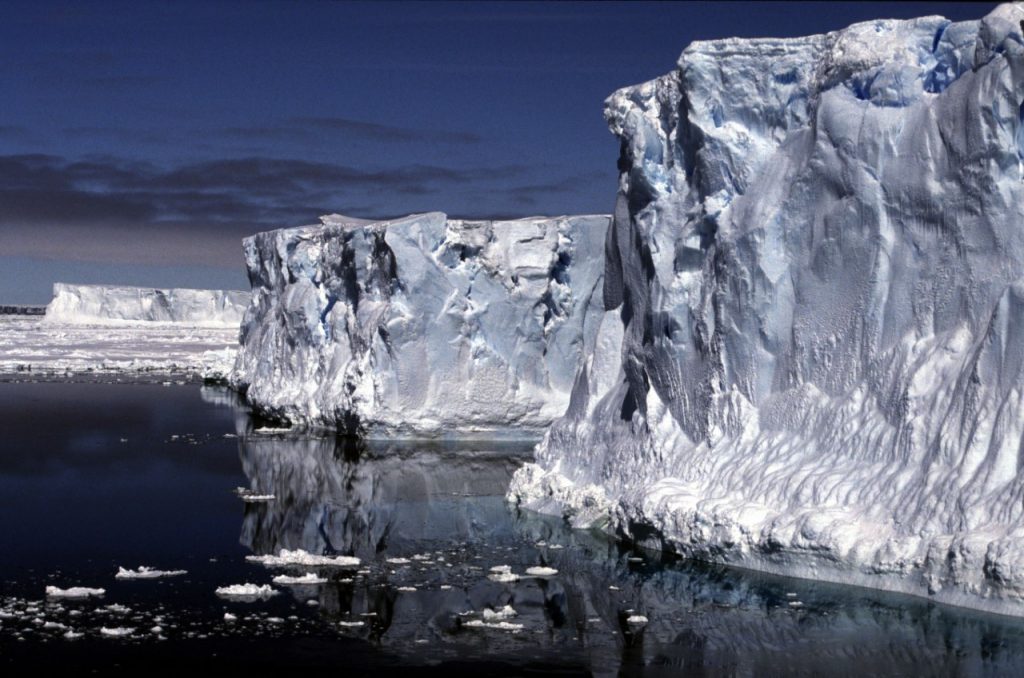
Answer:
(423, 326)
(811, 359)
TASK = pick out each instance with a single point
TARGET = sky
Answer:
(140, 142)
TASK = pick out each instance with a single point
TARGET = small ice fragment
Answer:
(73, 635)
(308, 578)
(300, 557)
(399, 561)
(73, 592)
(501, 569)
(541, 571)
(246, 591)
(637, 620)
(790, 594)
(313, 603)
(54, 625)
(228, 617)
(795, 603)
(613, 588)
(275, 620)
(367, 614)
(445, 587)
(406, 588)
(351, 624)
(117, 608)
(144, 572)
(116, 632)
(157, 630)
(502, 625)
(495, 615)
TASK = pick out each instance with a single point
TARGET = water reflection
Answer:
(444, 504)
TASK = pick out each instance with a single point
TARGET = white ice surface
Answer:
(812, 357)
(288, 557)
(110, 304)
(247, 591)
(30, 345)
(73, 592)
(144, 572)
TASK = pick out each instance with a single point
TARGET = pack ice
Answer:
(106, 304)
(813, 353)
(421, 326)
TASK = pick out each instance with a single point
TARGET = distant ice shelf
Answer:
(421, 326)
(109, 304)
(811, 360)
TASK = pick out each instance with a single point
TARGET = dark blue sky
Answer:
(140, 141)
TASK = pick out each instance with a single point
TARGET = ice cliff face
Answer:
(105, 304)
(812, 360)
(421, 326)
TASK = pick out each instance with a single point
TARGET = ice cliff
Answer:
(421, 326)
(812, 359)
(106, 304)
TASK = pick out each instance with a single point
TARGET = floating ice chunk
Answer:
(541, 571)
(55, 625)
(496, 615)
(270, 430)
(351, 624)
(399, 561)
(117, 608)
(246, 591)
(228, 617)
(73, 635)
(308, 578)
(117, 631)
(636, 620)
(300, 557)
(144, 572)
(502, 573)
(406, 588)
(156, 630)
(73, 592)
(501, 625)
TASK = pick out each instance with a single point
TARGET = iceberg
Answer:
(108, 304)
(421, 326)
(811, 357)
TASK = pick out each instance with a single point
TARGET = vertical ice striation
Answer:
(812, 358)
(421, 326)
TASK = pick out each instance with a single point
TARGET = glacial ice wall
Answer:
(421, 326)
(813, 354)
(107, 304)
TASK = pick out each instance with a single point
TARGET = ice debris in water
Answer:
(399, 561)
(502, 573)
(116, 632)
(636, 620)
(541, 571)
(246, 591)
(228, 617)
(144, 572)
(300, 557)
(501, 625)
(495, 615)
(308, 578)
(73, 592)
(351, 624)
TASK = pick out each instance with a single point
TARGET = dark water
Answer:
(97, 476)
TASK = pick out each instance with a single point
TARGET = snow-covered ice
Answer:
(305, 579)
(541, 571)
(74, 592)
(423, 325)
(288, 557)
(247, 591)
(811, 359)
(145, 572)
(110, 304)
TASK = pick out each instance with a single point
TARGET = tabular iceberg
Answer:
(421, 326)
(106, 304)
(814, 347)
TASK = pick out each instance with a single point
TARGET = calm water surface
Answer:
(99, 476)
